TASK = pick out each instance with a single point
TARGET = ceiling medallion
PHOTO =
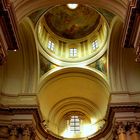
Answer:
(72, 6)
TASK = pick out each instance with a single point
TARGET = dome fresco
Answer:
(72, 36)
(72, 24)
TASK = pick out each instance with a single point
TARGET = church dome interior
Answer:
(81, 35)
(71, 38)
(69, 70)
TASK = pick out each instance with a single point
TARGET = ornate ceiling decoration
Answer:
(67, 29)
(72, 24)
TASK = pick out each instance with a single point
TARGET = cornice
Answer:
(133, 13)
(8, 26)
(110, 116)
(113, 108)
(20, 100)
(127, 98)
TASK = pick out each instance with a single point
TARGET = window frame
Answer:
(95, 45)
(51, 45)
(73, 52)
(74, 123)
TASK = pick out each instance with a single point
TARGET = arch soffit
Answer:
(29, 51)
(89, 72)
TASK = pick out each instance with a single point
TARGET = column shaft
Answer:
(135, 136)
(13, 134)
(122, 136)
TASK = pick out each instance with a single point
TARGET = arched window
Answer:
(74, 124)
(94, 44)
(51, 45)
(73, 52)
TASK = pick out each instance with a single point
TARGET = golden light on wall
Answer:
(67, 133)
(78, 125)
(87, 110)
(85, 130)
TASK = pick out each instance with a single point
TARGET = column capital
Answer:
(120, 127)
(28, 130)
(133, 127)
(13, 130)
(23, 129)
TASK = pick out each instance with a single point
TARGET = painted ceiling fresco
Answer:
(45, 65)
(36, 15)
(101, 64)
(72, 24)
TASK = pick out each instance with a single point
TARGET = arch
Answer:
(116, 73)
(75, 89)
(30, 56)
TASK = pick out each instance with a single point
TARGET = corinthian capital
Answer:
(28, 130)
(120, 127)
(133, 127)
(13, 130)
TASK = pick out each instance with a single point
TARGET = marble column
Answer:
(13, 133)
(120, 131)
(26, 133)
(134, 133)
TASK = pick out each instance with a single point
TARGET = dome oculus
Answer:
(72, 6)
